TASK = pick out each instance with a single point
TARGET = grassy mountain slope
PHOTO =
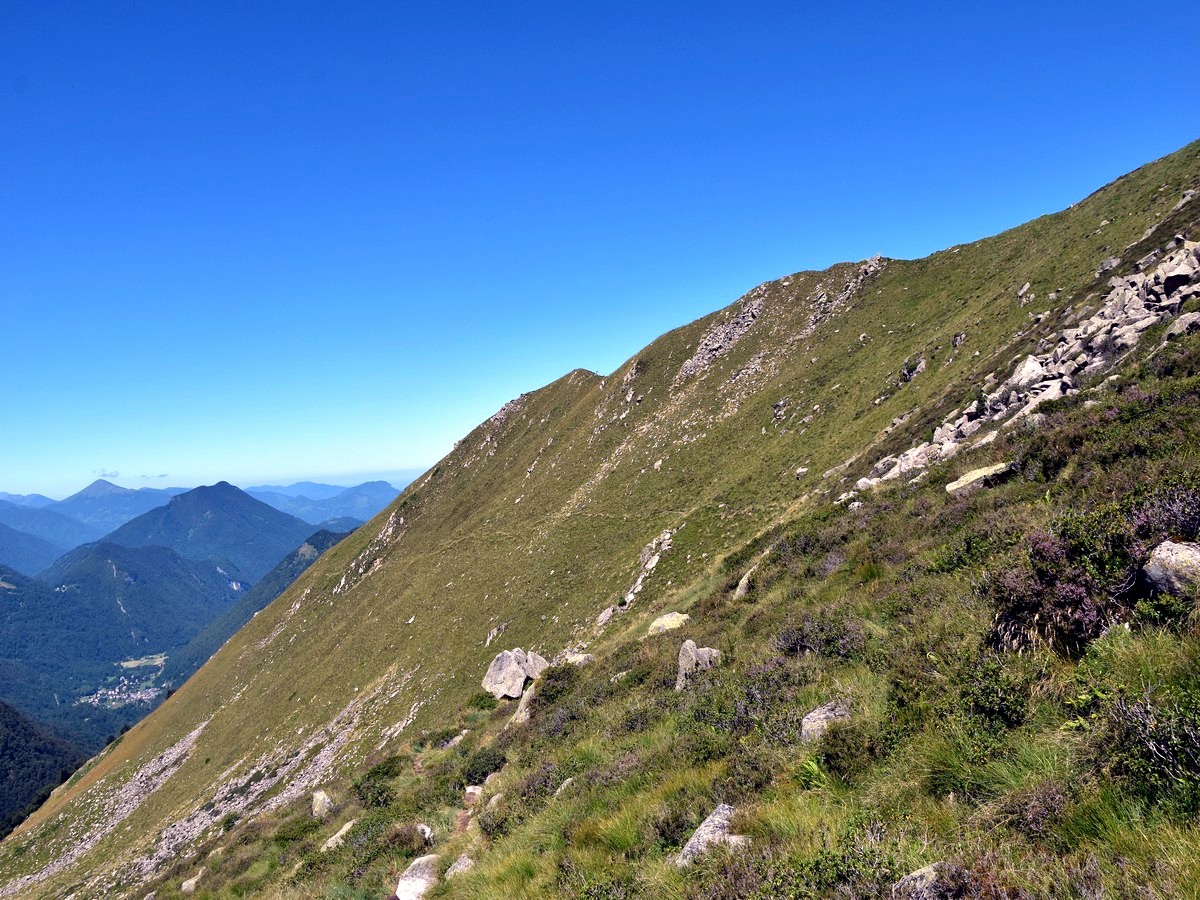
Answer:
(732, 436)
(219, 523)
(182, 664)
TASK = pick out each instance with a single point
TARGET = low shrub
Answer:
(482, 763)
(1155, 744)
(834, 633)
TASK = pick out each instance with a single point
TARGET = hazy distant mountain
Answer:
(105, 506)
(219, 523)
(33, 759)
(34, 501)
(26, 553)
(311, 489)
(48, 525)
(209, 640)
(341, 525)
(362, 502)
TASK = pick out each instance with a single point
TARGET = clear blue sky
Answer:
(268, 241)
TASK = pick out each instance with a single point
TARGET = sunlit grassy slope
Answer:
(537, 521)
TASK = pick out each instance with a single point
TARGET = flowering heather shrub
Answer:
(1081, 576)
(832, 633)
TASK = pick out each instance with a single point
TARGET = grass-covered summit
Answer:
(714, 475)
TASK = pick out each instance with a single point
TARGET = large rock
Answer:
(322, 805)
(712, 831)
(1185, 324)
(521, 715)
(977, 478)
(668, 622)
(817, 722)
(509, 670)
(1028, 373)
(1174, 568)
(693, 659)
(419, 878)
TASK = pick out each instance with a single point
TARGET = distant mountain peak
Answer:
(101, 488)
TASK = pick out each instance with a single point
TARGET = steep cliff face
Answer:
(544, 528)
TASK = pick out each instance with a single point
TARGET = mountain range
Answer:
(867, 584)
(320, 505)
(46, 530)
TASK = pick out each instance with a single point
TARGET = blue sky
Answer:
(271, 241)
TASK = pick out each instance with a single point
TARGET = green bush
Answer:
(1155, 744)
(481, 764)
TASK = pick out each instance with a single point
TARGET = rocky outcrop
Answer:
(668, 622)
(693, 659)
(322, 805)
(509, 671)
(1174, 568)
(817, 722)
(651, 555)
(712, 832)
(978, 478)
(463, 864)
(419, 878)
(721, 336)
(1133, 304)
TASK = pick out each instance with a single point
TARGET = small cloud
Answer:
(152, 477)
(106, 473)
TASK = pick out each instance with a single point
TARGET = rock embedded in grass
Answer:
(1174, 568)
(510, 669)
(712, 832)
(817, 722)
(668, 622)
(322, 805)
(419, 878)
(693, 659)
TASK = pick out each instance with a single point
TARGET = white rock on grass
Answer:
(976, 479)
(712, 831)
(419, 878)
(463, 864)
(1174, 568)
(668, 622)
(817, 722)
(322, 805)
(336, 841)
(521, 716)
(510, 669)
(189, 886)
(693, 659)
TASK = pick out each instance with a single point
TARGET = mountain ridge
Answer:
(220, 523)
(575, 516)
